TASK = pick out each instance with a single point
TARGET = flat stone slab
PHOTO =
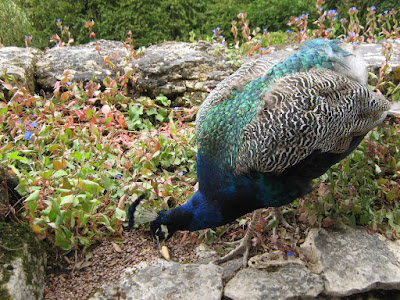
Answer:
(290, 281)
(354, 261)
(170, 280)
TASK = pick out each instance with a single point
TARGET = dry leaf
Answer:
(165, 252)
(116, 247)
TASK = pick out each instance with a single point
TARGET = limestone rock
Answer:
(170, 280)
(83, 62)
(290, 281)
(22, 271)
(176, 68)
(354, 261)
(272, 259)
(20, 63)
(205, 252)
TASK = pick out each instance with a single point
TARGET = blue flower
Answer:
(180, 173)
(334, 18)
(34, 124)
(288, 31)
(28, 135)
(353, 9)
(373, 7)
(290, 253)
(58, 20)
(265, 30)
(19, 121)
(332, 12)
(118, 176)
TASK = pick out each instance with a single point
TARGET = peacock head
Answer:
(162, 225)
(161, 231)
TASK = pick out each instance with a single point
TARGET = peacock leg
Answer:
(244, 243)
(276, 214)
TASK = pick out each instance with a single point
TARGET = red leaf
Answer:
(327, 222)
(303, 218)
(156, 148)
(8, 86)
(70, 123)
(322, 190)
(274, 238)
(80, 114)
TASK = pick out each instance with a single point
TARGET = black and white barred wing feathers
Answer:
(319, 110)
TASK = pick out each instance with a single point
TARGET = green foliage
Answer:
(74, 154)
(14, 24)
(83, 153)
(363, 189)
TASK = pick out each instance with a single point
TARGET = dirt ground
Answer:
(106, 262)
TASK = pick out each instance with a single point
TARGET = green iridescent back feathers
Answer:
(265, 117)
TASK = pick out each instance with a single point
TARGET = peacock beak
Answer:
(156, 242)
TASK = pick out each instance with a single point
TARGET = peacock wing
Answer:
(227, 88)
(319, 110)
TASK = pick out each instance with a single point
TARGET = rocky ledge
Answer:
(331, 264)
(181, 71)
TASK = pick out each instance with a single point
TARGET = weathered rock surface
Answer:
(178, 68)
(22, 271)
(290, 281)
(355, 261)
(82, 61)
(21, 64)
(170, 280)
(335, 263)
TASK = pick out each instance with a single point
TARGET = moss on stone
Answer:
(25, 245)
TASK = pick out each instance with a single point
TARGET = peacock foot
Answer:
(243, 248)
(276, 214)
(244, 244)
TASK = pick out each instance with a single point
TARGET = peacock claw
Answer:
(242, 249)
(276, 214)
(244, 243)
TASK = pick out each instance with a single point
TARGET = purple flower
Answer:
(28, 135)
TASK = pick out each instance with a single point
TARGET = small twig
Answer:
(20, 248)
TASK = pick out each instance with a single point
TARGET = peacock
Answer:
(265, 132)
